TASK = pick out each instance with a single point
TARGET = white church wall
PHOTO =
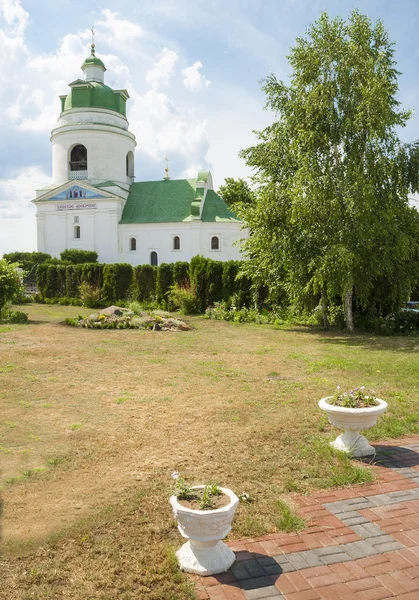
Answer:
(195, 238)
(98, 228)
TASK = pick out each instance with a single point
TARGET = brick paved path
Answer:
(362, 543)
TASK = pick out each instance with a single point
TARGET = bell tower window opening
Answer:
(78, 158)
(129, 164)
(176, 243)
(132, 244)
(77, 232)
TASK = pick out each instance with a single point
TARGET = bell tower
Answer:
(92, 141)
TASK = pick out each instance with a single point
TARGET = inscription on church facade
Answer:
(78, 206)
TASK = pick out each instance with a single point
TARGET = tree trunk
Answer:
(348, 307)
(324, 309)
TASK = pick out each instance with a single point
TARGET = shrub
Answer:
(181, 273)
(406, 322)
(117, 280)
(16, 316)
(183, 298)
(214, 291)
(90, 294)
(198, 278)
(10, 282)
(28, 261)
(230, 270)
(144, 283)
(78, 257)
(164, 281)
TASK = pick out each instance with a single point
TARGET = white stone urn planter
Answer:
(352, 421)
(205, 553)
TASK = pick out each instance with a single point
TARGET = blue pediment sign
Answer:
(76, 192)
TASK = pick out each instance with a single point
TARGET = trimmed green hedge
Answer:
(144, 283)
(79, 257)
(210, 280)
(117, 280)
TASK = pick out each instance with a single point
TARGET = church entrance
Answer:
(154, 261)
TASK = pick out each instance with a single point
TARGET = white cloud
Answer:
(14, 15)
(17, 213)
(163, 69)
(118, 33)
(193, 79)
(162, 128)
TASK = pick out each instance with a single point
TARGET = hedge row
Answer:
(211, 280)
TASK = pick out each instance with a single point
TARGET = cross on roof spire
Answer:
(93, 40)
(167, 168)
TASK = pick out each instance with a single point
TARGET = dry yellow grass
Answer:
(93, 422)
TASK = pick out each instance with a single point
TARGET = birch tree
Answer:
(332, 215)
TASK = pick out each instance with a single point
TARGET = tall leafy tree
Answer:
(236, 190)
(332, 215)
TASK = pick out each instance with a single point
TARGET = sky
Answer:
(193, 70)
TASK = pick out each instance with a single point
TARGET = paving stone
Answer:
(361, 549)
(256, 583)
(330, 550)
(298, 561)
(332, 559)
(388, 547)
(266, 561)
(368, 530)
(381, 539)
(273, 570)
(312, 558)
(284, 563)
(347, 514)
(254, 569)
(337, 507)
(267, 592)
(358, 520)
(239, 571)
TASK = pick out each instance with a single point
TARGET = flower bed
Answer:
(115, 317)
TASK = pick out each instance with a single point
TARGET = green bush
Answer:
(198, 278)
(181, 273)
(117, 280)
(144, 283)
(16, 316)
(183, 298)
(90, 295)
(28, 261)
(164, 281)
(78, 257)
(230, 270)
(214, 288)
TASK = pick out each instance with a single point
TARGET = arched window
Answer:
(77, 232)
(133, 244)
(153, 259)
(130, 164)
(78, 158)
(176, 243)
(215, 243)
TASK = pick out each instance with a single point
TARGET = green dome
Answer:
(93, 60)
(95, 95)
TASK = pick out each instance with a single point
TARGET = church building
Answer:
(94, 203)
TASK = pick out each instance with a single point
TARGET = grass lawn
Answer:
(92, 423)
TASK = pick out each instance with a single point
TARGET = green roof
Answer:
(170, 201)
(94, 94)
(93, 60)
(215, 209)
